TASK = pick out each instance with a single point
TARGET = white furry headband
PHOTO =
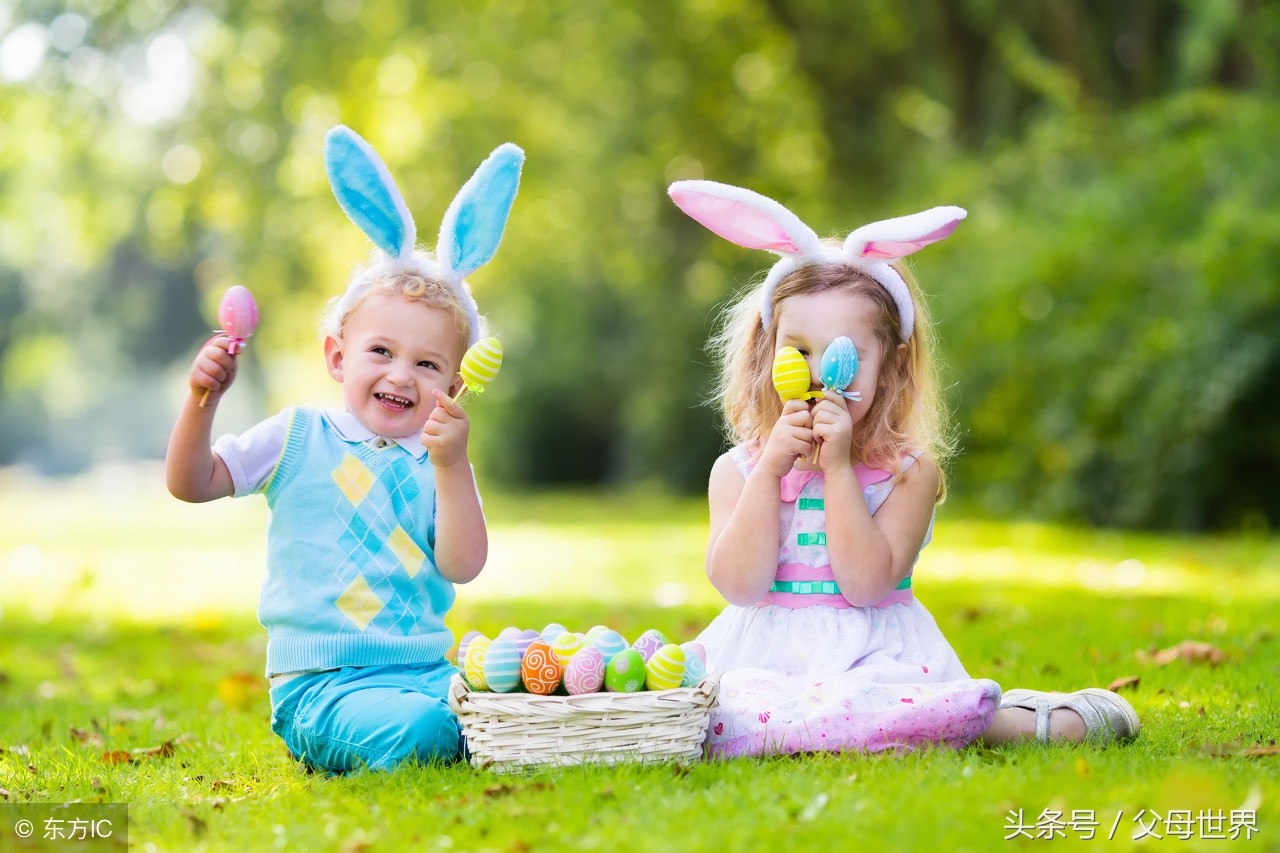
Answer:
(469, 235)
(758, 222)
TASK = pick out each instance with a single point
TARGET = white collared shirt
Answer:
(251, 457)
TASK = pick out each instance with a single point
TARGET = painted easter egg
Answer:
(790, 374)
(481, 364)
(540, 670)
(473, 665)
(695, 668)
(566, 646)
(649, 642)
(509, 633)
(665, 669)
(502, 665)
(625, 673)
(695, 648)
(596, 630)
(238, 314)
(549, 633)
(464, 642)
(609, 643)
(585, 672)
(527, 636)
(839, 364)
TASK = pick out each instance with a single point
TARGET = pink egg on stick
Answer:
(238, 314)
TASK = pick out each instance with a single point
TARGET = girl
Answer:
(820, 510)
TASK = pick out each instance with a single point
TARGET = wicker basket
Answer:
(507, 731)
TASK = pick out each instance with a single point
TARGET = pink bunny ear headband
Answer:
(758, 222)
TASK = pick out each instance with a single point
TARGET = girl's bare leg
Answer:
(1014, 725)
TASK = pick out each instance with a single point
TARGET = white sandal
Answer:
(1107, 716)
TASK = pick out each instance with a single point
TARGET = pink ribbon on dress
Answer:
(795, 481)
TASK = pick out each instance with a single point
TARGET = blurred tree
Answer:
(156, 152)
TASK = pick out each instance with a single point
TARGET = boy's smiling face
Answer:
(392, 353)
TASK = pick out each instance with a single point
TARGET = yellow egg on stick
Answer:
(481, 364)
(791, 376)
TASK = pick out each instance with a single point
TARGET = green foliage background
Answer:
(1109, 310)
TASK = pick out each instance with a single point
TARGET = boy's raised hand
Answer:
(214, 368)
(791, 438)
(445, 432)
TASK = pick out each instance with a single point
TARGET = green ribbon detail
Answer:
(811, 539)
(810, 503)
(819, 587)
(805, 587)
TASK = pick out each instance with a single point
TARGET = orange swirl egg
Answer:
(540, 669)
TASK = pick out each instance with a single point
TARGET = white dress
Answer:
(805, 671)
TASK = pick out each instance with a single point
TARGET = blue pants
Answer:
(368, 716)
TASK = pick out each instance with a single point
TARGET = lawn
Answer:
(130, 671)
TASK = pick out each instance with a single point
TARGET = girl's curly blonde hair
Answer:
(907, 415)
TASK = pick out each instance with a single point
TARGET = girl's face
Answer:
(810, 322)
(392, 353)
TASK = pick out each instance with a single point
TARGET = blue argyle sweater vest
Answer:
(351, 576)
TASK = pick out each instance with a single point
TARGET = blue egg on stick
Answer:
(839, 364)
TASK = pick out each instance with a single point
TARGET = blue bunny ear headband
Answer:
(469, 235)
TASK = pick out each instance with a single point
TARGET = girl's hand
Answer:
(834, 428)
(791, 438)
(214, 368)
(445, 432)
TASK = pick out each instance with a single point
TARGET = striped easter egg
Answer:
(549, 633)
(473, 666)
(609, 643)
(463, 643)
(665, 669)
(481, 364)
(502, 665)
(596, 630)
(790, 374)
(584, 672)
(649, 642)
(540, 670)
(527, 636)
(566, 646)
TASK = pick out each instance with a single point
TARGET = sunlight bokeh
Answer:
(136, 554)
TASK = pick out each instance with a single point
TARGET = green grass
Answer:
(128, 623)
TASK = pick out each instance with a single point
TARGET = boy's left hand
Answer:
(445, 432)
(832, 424)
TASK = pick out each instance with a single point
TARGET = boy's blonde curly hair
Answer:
(385, 276)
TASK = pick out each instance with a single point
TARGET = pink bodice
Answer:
(804, 577)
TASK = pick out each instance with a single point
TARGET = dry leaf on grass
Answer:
(1235, 749)
(240, 690)
(91, 738)
(122, 756)
(1188, 650)
(1125, 682)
